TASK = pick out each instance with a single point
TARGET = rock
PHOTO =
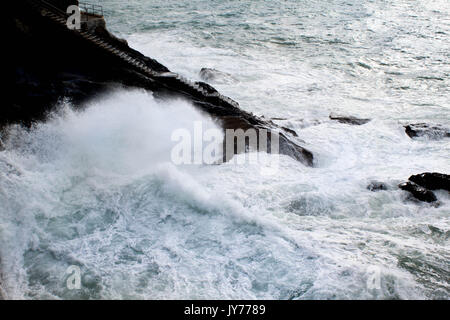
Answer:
(290, 131)
(210, 89)
(419, 185)
(52, 62)
(211, 75)
(377, 186)
(349, 120)
(435, 131)
(432, 180)
(420, 193)
(286, 146)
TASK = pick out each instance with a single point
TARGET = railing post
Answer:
(92, 9)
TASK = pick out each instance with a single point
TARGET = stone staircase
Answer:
(169, 78)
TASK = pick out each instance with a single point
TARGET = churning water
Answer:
(97, 189)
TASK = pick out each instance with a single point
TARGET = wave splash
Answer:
(96, 189)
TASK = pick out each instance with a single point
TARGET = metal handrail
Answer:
(90, 8)
(52, 7)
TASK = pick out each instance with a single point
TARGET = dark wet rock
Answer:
(63, 4)
(310, 206)
(290, 131)
(377, 186)
(420, 185)
(295, 151)
(286, 146)
(349, 120)
(49, 63)
(432, 180)
(207, 87)
(365, 66)
(430, 131)
(211, 74)
(420, 193)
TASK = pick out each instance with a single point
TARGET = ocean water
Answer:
(97, 188)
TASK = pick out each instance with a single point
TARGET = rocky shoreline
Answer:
(52, 63)
(419, 186)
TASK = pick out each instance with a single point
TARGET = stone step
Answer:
(112, 49)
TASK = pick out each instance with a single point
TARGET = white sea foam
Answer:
(97, 189)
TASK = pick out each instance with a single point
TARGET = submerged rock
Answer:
(432, 180)
(430, 131)
(349, 120)
(290, 131)
(212, 75)
(377, 186)
(419, 185)
(420, 193)
(210, 89)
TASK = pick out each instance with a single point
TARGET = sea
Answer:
(92, 205)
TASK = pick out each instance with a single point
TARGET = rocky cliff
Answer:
(51, 62)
